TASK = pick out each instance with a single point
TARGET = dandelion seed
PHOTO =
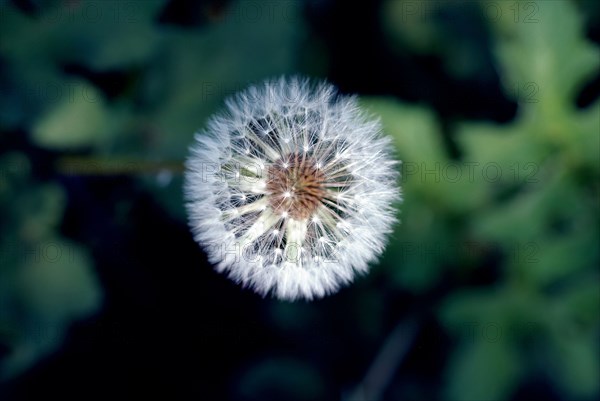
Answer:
(318, 184)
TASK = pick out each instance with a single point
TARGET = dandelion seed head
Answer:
(310, 203)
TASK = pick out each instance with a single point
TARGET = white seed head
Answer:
(290, 191)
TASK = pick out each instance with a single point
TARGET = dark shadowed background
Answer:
(488, 290)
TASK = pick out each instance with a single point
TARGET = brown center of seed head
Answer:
(295, 185)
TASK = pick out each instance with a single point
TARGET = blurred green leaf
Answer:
(544, 54)
(56, 282)
(576, 366)
(421, 243)
(492, 327)
(80, 118)
(482, 371)
(538, 211)
(46, 281)
(573, 343)
(414, 129)
(100, 35)
(281, 378)
(587, 138)
(580, 303)
(504, 307)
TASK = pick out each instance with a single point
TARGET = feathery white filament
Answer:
(290, 190)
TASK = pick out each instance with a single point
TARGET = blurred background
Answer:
(488, 290)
